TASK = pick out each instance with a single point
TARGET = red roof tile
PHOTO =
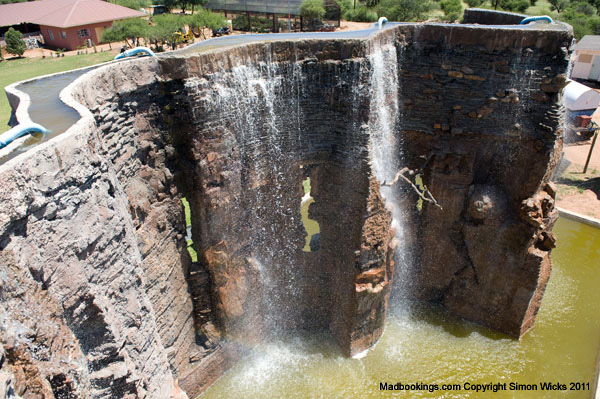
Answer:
(64, 13)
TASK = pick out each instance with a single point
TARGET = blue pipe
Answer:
(135, 51)
(19, 131)
(381, 21)
(538, 18)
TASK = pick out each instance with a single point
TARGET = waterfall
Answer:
(261, 107)
(384, 115)
(386, 147)
(266, 110)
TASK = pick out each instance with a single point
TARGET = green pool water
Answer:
(425, 345)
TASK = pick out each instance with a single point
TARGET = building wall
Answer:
(584, 59)
(69, 38)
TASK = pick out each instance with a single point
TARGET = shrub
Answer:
(582, 7)
(259, 24)
(405, 10)
(360, 14)
(312, 9)
(14, 42)
(558, 5)
(133, 4)
(206, 19)
(583, 20)
(514, 5)
(474, 3)
(452, 9)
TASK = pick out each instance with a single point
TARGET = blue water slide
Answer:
(381, 21)
(538, 18)
(19, 131)
(135, 51)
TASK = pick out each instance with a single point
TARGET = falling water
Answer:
(384, 114)
(422, 344)
(252, 97)
(386, 146)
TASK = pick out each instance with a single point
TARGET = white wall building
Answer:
(587, 58)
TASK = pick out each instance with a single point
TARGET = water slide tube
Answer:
(19, 131)
(381, 21)
(538, 18)
(135, 51)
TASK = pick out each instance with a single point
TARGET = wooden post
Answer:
(275, 24)
(587, 162)
(249, 24)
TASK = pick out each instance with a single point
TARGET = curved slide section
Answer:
(135, 51)
(21, 130)
(535, 19)
(381, 22)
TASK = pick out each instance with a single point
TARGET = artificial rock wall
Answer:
(96, 275)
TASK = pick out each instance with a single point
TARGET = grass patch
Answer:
(541, 7)
(188, 212)
(188, 222)
(14, 70)
(574, 181)
(192, 251)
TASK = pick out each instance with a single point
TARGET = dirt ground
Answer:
(349, 25)
(42, 52)
(579, 192)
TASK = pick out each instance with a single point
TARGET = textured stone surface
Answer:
(95, 269)
(73, 293)
(492, 144)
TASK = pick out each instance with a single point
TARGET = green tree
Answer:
(371, 3)
(171, 4)
(195, 3)
(312, 9)
(164, 26)
(206, 19)
(582, 7)
(558, 5)
(582, 17)
(124, 30)
(360, 14)
(14, 42)
(474, 3)
(405, 10)
(452, 9)
(133, 4)
(514, 5)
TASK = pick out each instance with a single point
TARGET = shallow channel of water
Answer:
(424, 345)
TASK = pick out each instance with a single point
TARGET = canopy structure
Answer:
(291, 7)
(578, 97)
(279, 7)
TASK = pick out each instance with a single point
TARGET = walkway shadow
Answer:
(592, 184)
